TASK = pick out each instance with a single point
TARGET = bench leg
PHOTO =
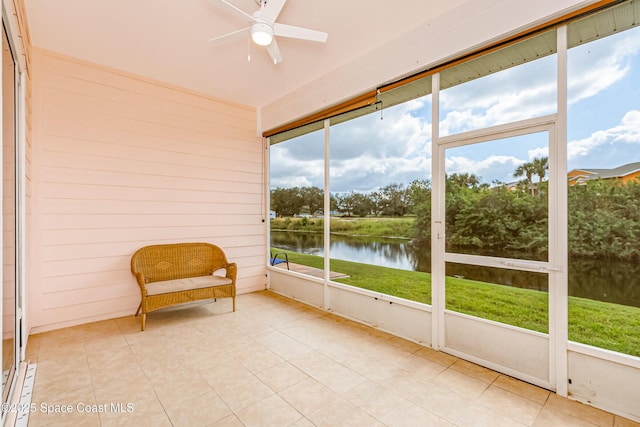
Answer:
(138, 310)
(234, 303)
(144, 320)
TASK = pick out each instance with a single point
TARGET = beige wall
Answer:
(121, 162)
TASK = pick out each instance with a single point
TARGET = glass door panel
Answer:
(8, 219)
(296, 177)
(497, 229)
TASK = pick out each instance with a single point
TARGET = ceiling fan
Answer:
(263, 28)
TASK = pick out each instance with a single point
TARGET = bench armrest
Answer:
(231, 270)
(141, 281)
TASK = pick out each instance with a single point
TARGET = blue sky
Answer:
(369, 153)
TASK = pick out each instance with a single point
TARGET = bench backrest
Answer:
(177, 260)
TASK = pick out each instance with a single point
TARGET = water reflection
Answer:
(611, 281)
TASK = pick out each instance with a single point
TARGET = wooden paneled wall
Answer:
(124, 162)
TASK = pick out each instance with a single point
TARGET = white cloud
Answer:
(538, 152)
(595, 66)
(488, 169)
(628, 131)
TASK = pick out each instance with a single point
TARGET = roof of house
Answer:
(618, 172)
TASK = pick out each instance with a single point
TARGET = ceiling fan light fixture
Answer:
(261, 33)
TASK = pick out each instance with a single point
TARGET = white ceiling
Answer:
(167, 40)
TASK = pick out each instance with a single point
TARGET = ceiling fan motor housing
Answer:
(261, 33)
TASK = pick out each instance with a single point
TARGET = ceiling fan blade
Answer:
(272, 9)
(274, 52)
(233, 33)
(284, 30)
(240, 11)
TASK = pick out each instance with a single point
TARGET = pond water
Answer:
(607, 280)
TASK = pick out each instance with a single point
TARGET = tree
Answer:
(361, 204)
(286, 201)
(527, 170)
(541, 166)
(457, 180)
(419, 192)
(344, 203)
(395, 200)
(313, 199)
(377, 202)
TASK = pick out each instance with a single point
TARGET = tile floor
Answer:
(274, 362)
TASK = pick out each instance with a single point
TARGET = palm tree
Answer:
(527, 170)
(541, 166)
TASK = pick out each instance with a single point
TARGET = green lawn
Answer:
(353, 226)
(611, 326)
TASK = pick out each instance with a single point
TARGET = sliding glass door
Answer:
(10, 329)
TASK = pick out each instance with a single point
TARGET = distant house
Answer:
(624, 173)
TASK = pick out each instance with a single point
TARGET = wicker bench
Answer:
(181, 272)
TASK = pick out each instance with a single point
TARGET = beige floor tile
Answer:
(461, 384)
(422, 368)
(553, 419)
(339, 378)
(511, 405)
(74, 373)
(406, 345)
(199, 411)
(407, 414)
(256, 357)
(136, 420)
(561, 410)
(436, 356)
(224, 375)
(105, 344)
(307, 396)
(444, 403)
(230, 421)
(475, 371)
(115, 388)
(61, 393)
(528, 391)
(339, 351)
(313, 362)
(480, 416)
(373, 368)
(302, 422)
(176, 389)
(117, 359)
(624, 422)
(143, 400)
(281, 376)
(245, 393)
(339, 412)
(71, 419)
(206, 356)
(270, 412)
(374, 399)
(283, 345)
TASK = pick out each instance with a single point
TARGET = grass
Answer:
(601, 324)
(376, 226)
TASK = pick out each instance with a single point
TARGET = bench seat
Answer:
(190, 283)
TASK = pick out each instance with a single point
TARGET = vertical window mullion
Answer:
(558, 232)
